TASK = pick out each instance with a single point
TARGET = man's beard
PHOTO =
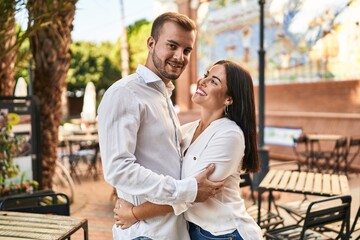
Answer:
(161, 68)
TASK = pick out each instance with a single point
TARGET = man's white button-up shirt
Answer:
(139, 139)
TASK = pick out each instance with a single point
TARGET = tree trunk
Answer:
(7, 48)
(50, 48)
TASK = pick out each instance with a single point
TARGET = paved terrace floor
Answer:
(94, 201)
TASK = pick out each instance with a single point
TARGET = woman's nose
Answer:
(202, 81)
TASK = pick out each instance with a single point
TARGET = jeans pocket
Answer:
(197, 233)
(208, 236)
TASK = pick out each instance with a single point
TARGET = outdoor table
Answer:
(318, 184)
(70, 139)
(315, 138)
(90, 142)
(86, 130)
(332, 137)
(19, 225)
(80, 138)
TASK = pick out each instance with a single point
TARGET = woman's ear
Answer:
(228, 101)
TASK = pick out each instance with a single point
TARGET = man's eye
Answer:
(172, 46)
(187, 52)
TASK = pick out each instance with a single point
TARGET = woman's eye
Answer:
(214, 81)
(205, 75)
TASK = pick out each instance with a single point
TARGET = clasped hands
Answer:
(123, 214)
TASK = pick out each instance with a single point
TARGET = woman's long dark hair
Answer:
(242, 110)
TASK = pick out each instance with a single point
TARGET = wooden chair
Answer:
(301, 151)
(92, 164)
(352, 154)
(306, 151)
(43, 202)
(331, 159)
(88, 154)
(318, 214)
(268, 220)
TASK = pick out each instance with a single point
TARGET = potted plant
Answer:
(9, 146)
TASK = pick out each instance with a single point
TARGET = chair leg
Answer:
(74, 161)
(92, 170)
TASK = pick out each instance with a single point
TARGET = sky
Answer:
(100, 20)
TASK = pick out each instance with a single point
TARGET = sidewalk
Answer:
(93, 201)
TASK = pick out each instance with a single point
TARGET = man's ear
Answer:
(150, 43)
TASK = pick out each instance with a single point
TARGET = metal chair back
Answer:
(44, 203)
(355, 226)
(318, 217)
(353, 151)
(319, 213)
(301, 151)
(340, 153)
(334, 158)
(245, 181)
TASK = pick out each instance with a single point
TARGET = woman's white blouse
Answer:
(222, 143)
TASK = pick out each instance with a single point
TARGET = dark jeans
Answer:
(197, 233)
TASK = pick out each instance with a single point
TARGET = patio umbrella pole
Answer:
(263, 151)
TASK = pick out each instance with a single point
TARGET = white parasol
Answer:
(89, 106)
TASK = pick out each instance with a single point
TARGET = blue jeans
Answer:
(197, 233)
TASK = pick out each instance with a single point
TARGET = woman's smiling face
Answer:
(211, 89)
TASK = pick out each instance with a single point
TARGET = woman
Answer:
(226, 136)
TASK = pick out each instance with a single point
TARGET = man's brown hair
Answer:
(182, 20)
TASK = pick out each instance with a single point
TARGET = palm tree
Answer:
(50, 46)
(7, 47)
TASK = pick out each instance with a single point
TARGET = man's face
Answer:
(171, 52)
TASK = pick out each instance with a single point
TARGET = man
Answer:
(140, 138)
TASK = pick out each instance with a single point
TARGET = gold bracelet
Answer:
(132, 211)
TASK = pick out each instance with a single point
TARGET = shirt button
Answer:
(194, 158)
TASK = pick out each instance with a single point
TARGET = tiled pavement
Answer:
(94, 201)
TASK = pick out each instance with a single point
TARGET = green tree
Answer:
(137, 37)
(101, 63)
(23, 58)
(95, 63)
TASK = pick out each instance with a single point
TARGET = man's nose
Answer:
(179, 55)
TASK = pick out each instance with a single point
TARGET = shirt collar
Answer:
(151, 78)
